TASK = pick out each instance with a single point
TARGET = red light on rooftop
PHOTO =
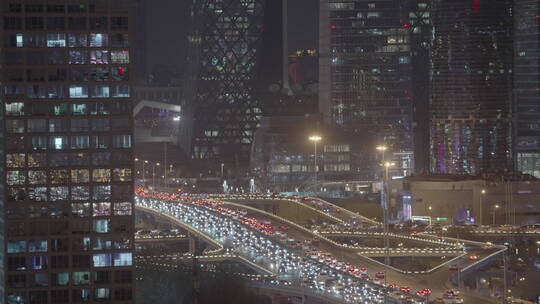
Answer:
(406, 25)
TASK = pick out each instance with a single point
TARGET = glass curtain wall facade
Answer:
(370, 74)
(471, 82)
(420, 28)
(68, 151)
(526, 89)
(226, 45)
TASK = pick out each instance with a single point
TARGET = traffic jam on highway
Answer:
(296, 263)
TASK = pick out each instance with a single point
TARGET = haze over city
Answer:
(269, 151)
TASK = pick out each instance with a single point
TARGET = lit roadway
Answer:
(237, 233)
(437, 280)
(355, 225)
(282, 247)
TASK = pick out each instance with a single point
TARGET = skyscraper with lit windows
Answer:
(471, 86)
(228, 46)
(365, 74)
(67, 151)
(526, 89)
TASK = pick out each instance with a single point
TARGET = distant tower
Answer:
(228, 51)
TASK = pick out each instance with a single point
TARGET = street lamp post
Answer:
(482, 193)
(387, 165)
(165, 163)
(154, 175)
(494, 210)
(222, 165)
(315, 139)
(143, 172)
(136, 160)
(381, 149)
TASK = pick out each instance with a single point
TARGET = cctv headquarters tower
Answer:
(228, 45)
(67, 153)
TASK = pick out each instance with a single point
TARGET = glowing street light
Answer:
(482, 192)
(494, 210)
(154, 174)
(315, 139)
(143, 172)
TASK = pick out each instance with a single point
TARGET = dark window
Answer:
(12, 23)
(13, 58)
(34, 23)
(59, 261)
(59, 227)
(38, 297)
(59, 245)
(16, 229)
(102, 277)
(119, 23)
(123, 276)
(123, 294)
(17, 281)
(55, 8)
(77, 23)
(120, 107)
(81, 261)
(15, 7)
(80, 227)
(119, 40)
(56, 23)
(38, 228)
(33, 8)
(57, 75)
(121, 124)
(58, 159)
(101, 158)
(60, 296)
(100, 124)
(98, 23)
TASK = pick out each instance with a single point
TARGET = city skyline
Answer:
(269, 151)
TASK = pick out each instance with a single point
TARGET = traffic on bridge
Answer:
(258, 241)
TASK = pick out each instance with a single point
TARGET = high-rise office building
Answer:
(365, 74)
(471, 79)
(68, 151)
(228, 46)
(419, 22)
(526, 89)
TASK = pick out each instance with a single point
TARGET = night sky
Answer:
(167, 26)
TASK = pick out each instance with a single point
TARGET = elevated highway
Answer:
(436, 279)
